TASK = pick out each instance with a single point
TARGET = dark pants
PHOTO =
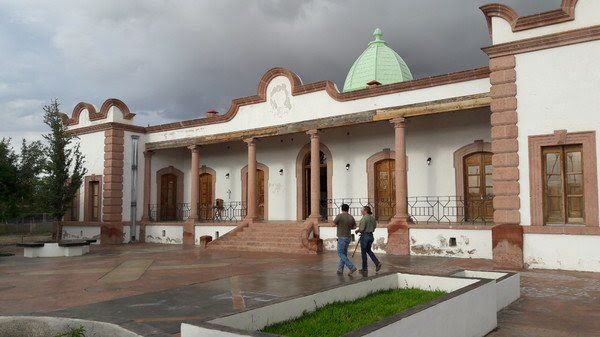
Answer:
(366, 242)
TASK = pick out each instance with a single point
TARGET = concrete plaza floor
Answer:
(151, 289)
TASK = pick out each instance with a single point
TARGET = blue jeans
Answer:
(366, 241)
(342, 248)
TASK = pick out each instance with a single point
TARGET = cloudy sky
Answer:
(175, 59)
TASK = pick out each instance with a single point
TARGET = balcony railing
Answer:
(450, 209)
(176, 212)
(221, 212)
(421, 210)
(382, 208)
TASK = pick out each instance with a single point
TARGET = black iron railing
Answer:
(176, 212)
(381, 208)
(422, 210)
(222, 211)
(450, 209)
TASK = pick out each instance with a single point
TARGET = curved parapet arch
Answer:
(566, 12)
(109, 103)
(93, 115)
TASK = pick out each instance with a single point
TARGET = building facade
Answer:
(495, 163)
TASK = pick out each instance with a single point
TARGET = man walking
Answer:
(344, 223)
(366, 227)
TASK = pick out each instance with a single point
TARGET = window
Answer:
(94, 187)
(72, 212)
(563, 184)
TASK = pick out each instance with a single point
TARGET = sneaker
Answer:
(378, 267)
(352, 271)
(340, 272)
(364, 272)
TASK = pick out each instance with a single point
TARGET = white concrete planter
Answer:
(54, 250)
(31, 326)
(468, 310)
(508, 285)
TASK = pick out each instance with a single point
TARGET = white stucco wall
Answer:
(92, 148)
(567, 252)
(555, 91)
(586, 15)
(436, 242)
(275, 111)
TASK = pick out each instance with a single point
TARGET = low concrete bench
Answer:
(55, 249)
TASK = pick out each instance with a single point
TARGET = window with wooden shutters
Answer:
(563, 184)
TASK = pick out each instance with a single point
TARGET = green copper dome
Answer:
(377, 63)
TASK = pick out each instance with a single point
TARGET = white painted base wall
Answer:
(329, 236)
(164, 234)
(211, 231)
(81, 233)
(567, 252)
(436, 242)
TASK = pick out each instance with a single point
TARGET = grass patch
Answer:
(339, 318)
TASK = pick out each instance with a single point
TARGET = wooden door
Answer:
(206, 202)
(260, 194)
(385, 189)
(478, 187)
(168, 197)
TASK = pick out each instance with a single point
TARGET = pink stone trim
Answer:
(300, 183)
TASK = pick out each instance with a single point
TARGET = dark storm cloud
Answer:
(175, 59)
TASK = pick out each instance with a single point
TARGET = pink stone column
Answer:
(315, 175)
(400, 173)
(251, 181)
(147, 183)
(195, 177)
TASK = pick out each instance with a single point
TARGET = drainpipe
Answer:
(134, 170)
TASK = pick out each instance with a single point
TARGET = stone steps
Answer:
(265, 237)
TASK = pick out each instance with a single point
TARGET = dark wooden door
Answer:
(260, 194)
(385, 189)
(168, 197)
(478, 187)
(206, 193)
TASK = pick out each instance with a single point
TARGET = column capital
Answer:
(399, 122)
(194, 148)
(148, 153)
(314, 133)
(250, 141)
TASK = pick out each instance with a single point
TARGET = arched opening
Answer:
(303, 181)
(169, 199)
(306, 195)
(262, 183)
(168, 196)
(206, 196)
(478, 186)
(385, 189)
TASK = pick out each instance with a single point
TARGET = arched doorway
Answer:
(168, 197)
(303, 181)
(477, 171)
(385, 189)
(169, 189)
(262, 183)
(306, 195)
(206, 201)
